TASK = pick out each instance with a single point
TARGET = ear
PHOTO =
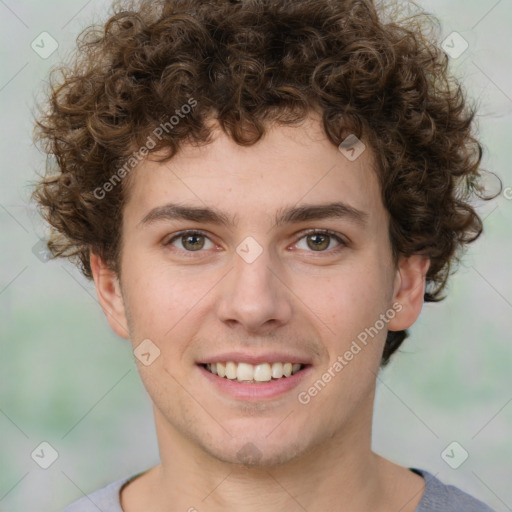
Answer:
(409, 290)
(109, 295)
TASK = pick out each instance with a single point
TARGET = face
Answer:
(256, 268)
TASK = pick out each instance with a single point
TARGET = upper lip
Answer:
(254, 359)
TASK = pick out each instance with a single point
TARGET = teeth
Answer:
(231, 370)
(277, 370)
(244, 372)
(262, 372)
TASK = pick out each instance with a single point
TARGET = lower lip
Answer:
(258, 390)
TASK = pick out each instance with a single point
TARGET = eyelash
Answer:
(333, 234)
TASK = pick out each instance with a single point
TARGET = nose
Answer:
(255, 295)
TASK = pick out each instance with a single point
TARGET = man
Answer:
(265, 193)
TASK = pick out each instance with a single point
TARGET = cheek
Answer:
(155, 301)
(351, 297)
(167, 305)
(351, 310)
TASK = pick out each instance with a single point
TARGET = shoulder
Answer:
(440, 497)
(106, 499)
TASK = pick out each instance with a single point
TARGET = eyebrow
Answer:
(287, 215)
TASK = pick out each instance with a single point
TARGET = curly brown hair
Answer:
(246, 64)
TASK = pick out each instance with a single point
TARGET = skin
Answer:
(293, 297)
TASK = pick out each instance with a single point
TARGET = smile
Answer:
(248, 373)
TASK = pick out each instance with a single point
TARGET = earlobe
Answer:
(409, 290)
(109, 295)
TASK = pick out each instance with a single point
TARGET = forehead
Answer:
(290, 165)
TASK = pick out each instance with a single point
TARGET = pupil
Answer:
(319, 243)
(194, 245)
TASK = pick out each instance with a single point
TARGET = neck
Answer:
(340, 473)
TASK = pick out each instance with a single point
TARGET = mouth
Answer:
(253, 377)
(253, 374)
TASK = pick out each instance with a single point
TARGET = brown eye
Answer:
(319, 241)
(189, 241)
(193, 242)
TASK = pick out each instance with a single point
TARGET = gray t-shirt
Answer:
(437, 497)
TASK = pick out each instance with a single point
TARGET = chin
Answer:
(257, 452)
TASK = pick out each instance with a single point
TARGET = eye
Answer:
(194, 241)
(320, 240)
(191, 241)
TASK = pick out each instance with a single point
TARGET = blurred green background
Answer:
(69, 381)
